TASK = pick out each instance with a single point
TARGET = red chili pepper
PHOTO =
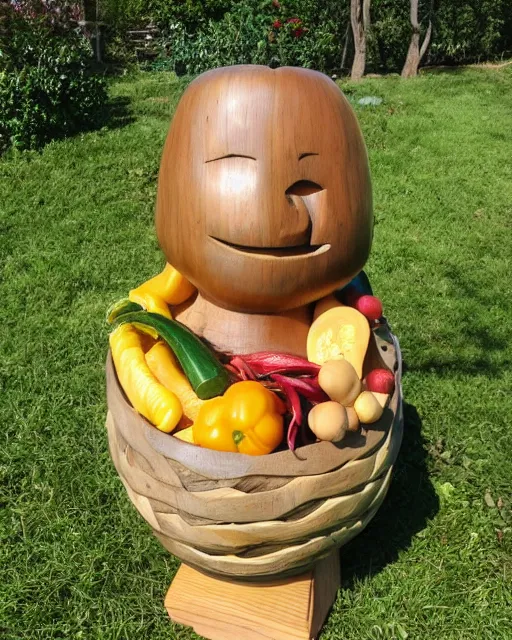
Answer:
(293, 403)
(265, 363)
(267, 367)
(307, 387)
(242, 368)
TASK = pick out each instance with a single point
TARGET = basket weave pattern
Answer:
(248, 517)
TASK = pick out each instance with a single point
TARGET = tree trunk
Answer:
(345, 47)
(360, 20)
(414, 53)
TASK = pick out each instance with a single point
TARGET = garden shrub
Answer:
(273, 35)
(201, 34)
(47, 88)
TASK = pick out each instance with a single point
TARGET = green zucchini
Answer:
(205, 373)
(119, 308)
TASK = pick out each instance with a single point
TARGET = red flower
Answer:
(276, 4)
(277, 24)
(297, 33)
(294, 21)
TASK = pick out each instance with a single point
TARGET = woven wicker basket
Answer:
(244, 517)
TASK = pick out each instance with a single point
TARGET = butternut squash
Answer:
(324, 304)
(340, 381)
(353, 419)
(328, 421)
(339, 333)
(163, 365)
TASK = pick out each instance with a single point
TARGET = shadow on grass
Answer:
(410, 503)
(443, 69)
(118, 113)
(479, 346)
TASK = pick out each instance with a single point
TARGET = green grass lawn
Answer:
(76, 221)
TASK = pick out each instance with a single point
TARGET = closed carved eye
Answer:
(230, 155)
(306, 155)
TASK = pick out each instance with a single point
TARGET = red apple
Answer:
(380, 381)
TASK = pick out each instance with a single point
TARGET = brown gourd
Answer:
(340, 381)
(339, 333)
(328, 421)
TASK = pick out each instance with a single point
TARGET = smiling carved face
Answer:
(264, 194)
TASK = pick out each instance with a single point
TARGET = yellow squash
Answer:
(150, 398)
(164, 366)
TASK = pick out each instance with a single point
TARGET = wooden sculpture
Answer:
(264, 205)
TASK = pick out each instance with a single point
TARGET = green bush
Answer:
(47, 89)
(273, 35)
(200, 34)
(470, 30)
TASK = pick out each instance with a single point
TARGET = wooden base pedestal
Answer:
(291, 609)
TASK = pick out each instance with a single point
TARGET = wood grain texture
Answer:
(259, 205)
(234, 538)
(235, 333)
(230, 527)
(291, 609)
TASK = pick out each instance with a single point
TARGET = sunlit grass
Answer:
(76, 221)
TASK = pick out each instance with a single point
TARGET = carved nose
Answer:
(303, 188)
(298, 232)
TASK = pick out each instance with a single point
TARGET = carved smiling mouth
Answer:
(305, 250)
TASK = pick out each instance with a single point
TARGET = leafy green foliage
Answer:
(202, 35)
(471, 30)
(273, 35)
(47, 89)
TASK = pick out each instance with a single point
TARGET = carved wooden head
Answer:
(264, 194)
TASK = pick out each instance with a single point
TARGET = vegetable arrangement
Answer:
(248, 403)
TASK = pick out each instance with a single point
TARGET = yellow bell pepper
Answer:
(248, 418)
(150, 301)
(168, 287)
(185, 434)
(150, 398)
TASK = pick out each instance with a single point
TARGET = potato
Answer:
(328, 421)
(353, 419)
(368, 408)
(340, 381)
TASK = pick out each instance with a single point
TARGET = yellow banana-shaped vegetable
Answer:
(150, 398)
(164, 366)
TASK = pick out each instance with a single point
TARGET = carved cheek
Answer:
(231, 193)
(321, 217)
